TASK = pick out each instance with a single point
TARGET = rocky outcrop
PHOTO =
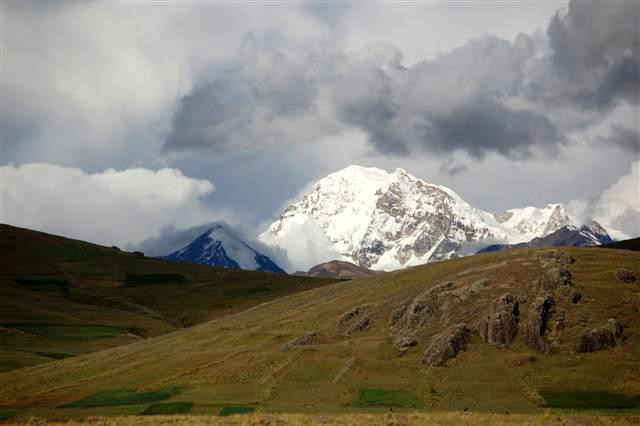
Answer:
(554, 278)
(537, 322)
(556, 256)
(306, 339)
(597, 339)
(575, 297)
(624, 275)
(406, 321)
(355, 320)
(446, 345)
(500, 326)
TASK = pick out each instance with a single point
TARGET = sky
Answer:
(129, 122)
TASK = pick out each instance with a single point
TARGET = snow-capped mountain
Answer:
(218, 246)
(382, 220)
(588, 235)
(527, 223)
(385, 221)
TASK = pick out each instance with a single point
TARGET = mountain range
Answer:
(386, 221)
(219, 246)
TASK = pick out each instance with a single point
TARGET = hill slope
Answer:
(61, 297)
(371, 343)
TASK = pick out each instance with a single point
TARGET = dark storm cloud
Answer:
(627, 139)
(596, 49)
(516, 99)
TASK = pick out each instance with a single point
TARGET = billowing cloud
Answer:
(112, 207)
(618, 206)
(596, 51)
(517, 99)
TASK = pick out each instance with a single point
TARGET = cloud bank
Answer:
(113, 207)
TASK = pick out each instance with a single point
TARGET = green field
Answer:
(168, 408)
(386, 398)
(231, 410)
(125, 397)
(589, 400)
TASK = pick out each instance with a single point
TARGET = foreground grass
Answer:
(349, 419)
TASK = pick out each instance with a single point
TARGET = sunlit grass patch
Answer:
(168, 408)
(589, 399)
(386, 398)
(125, 397)
(230, 410)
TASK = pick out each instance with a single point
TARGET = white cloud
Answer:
(618, 206)
(113, 207)
(307, 246)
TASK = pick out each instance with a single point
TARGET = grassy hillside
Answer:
(294, 355)
(61, 297)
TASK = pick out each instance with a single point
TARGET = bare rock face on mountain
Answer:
(500, 326)
(355, 320)
(446, 345)
(625, 276)
(597, 339)
(306, 339)
(537, 322)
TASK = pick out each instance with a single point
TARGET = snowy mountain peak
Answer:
(218, 246)
(389, 220)
(382, 220)
(526, 223)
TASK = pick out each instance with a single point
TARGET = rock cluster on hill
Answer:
(597, 339)
(306, 339)
(500, 326)
(355, 320)
(446, 345)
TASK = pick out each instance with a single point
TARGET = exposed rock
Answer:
(409, 319)
(446, 345)
(404, 343)
(556, 256)
(624, 275)
(355, 320)
(575, 297)
(358, 325)
(500, 326)
(553, 278)
(537, 320)
(597, 339)
(305, 339)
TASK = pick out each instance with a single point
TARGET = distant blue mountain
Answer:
(588, 235)
(218, 246)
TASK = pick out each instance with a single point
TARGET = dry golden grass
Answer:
(443, 418)
(237, 359)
